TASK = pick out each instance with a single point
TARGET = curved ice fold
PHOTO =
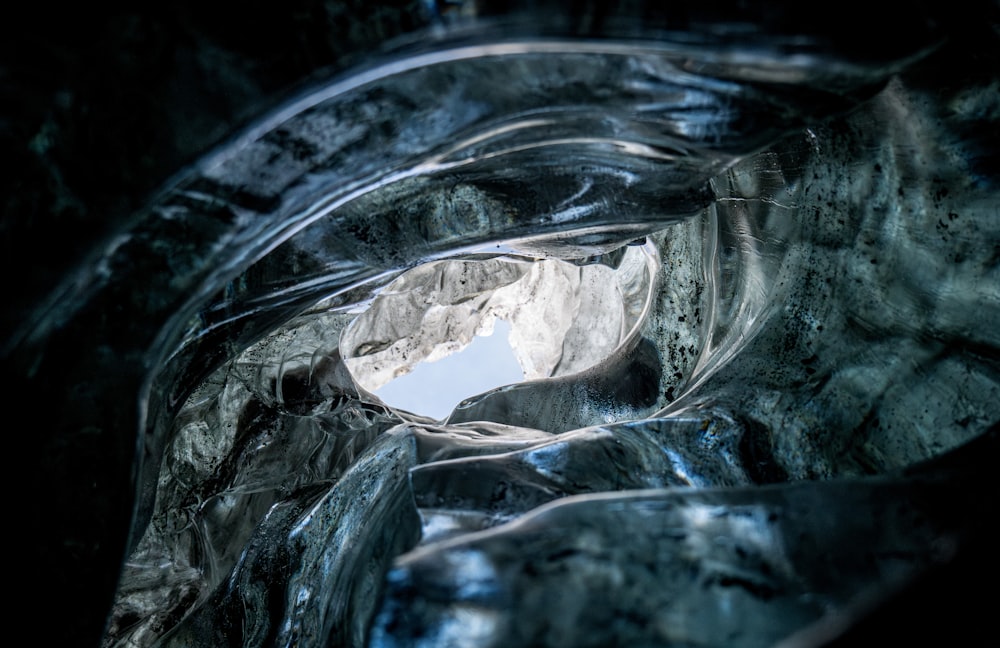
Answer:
(716, 447)
(728, 567)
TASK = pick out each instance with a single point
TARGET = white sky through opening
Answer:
(435, 388)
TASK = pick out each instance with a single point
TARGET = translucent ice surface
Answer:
(751, 287)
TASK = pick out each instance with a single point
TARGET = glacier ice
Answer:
(753, 290)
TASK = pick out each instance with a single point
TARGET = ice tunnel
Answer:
(743, 261)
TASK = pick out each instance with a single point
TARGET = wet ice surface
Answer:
(731, 461)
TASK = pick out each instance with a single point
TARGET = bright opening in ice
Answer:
(435, 388)
(448, 330)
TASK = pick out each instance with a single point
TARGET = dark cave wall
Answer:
(100, 107)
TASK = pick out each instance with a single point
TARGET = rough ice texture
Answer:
(654, 480)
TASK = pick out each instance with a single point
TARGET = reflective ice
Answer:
(754, 298)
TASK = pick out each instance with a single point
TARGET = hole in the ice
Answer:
(448, 330)
(435, 388)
